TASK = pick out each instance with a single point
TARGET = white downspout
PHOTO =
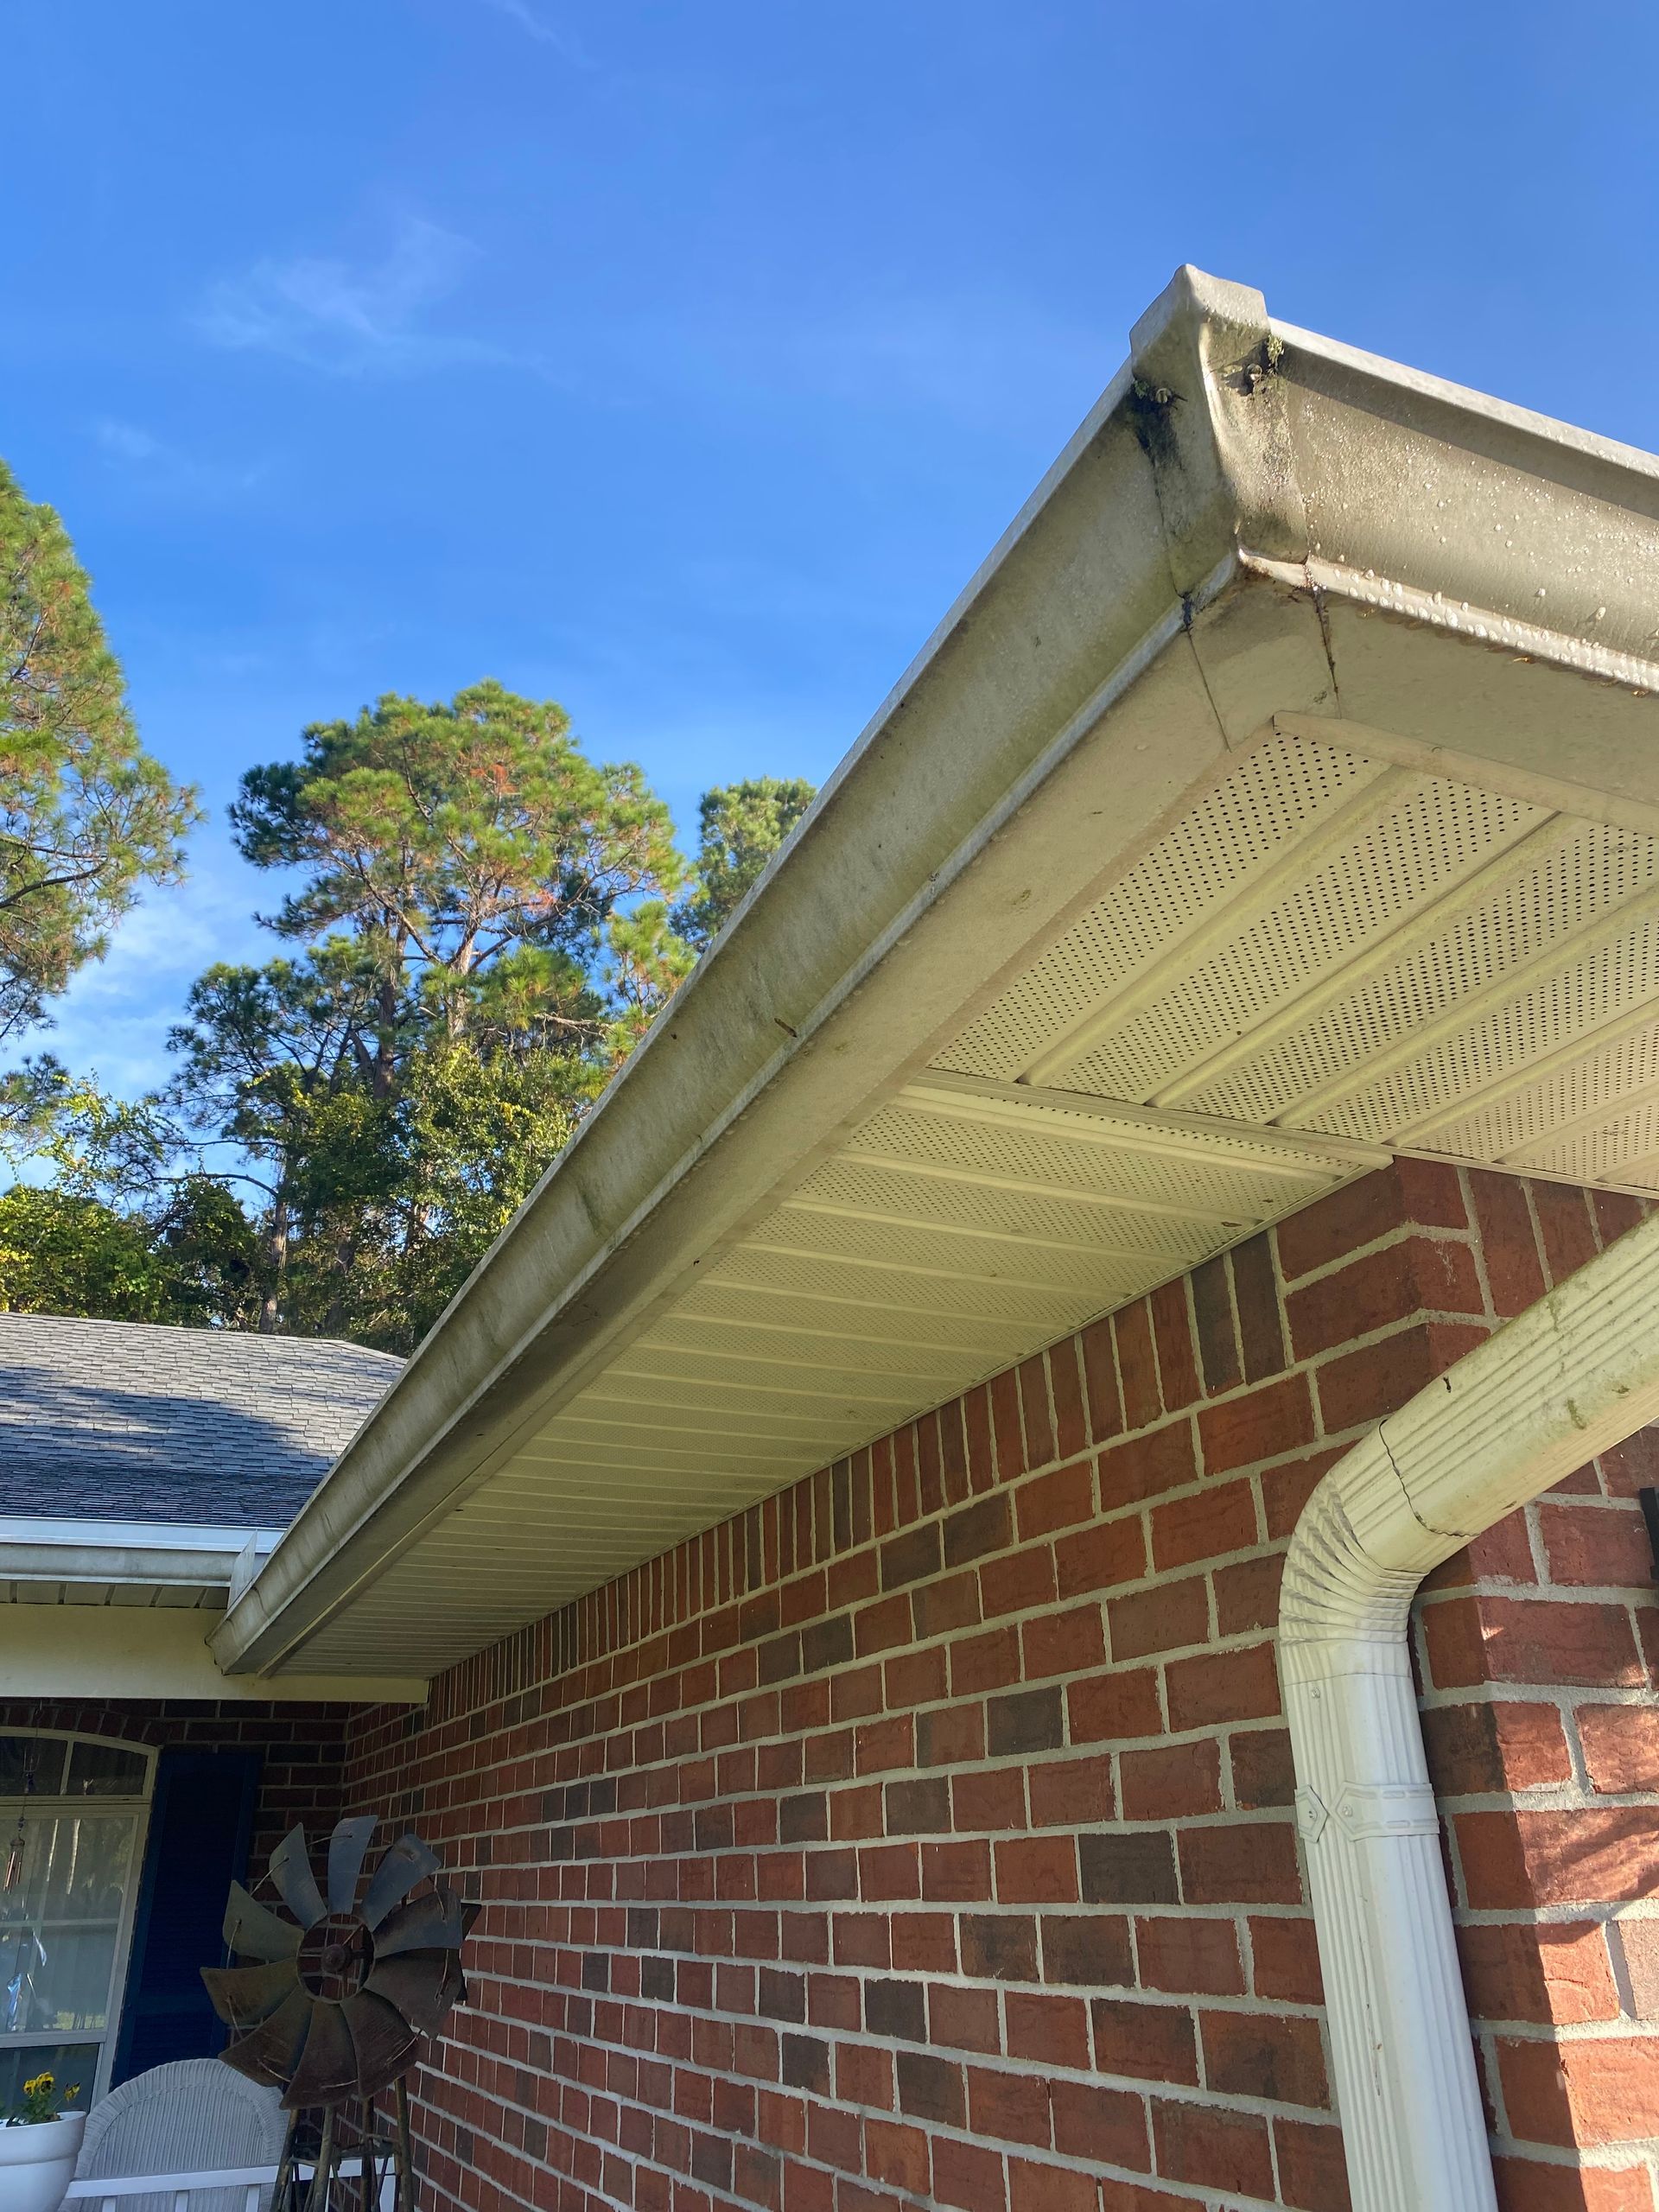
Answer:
(1572, 1376)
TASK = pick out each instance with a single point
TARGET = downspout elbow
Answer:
(1572, 1376)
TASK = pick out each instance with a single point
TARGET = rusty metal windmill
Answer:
(342, 1992)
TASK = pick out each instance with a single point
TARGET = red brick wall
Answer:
(923, 1835)
(302, 1747)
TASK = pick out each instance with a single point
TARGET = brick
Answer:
(1089, 1950)
(1365, 1385)
(1172, 1781)
(1018, 1582)
(1217, 1686)
(1165, 1618)
(1508, 1241)
(1070, 1793)
(1566, 1229)
(932, 2088)
(1369, 1295)
(1286, 1955)
(1063, 1644)
(967, 2176)
(1211, 2148)
(1313, 2170)
(909, 1558)
(1131, 1866)
(1605, 1545)
(1571, 2093)
(1100, 1382)
(1146, 1467)
(1054, 1500)
(1035, 1415)
(1207, 1525)
(1247, 1594)
(1265, 1423)
(1621, 1747)
(1096, 1557)
(1212, 1309)
(1029, 1721)
(1556, 1972)
(1034, 2188)
(999, 1947)
(1473, 1749)
(1145, 2043)
(1172, 1330)
(1049, 2030)
(1106, 2127)
(1528, 2185)
(1255, 1293)
(1011, 2107)
(1137, 1365)
(1066, 1388)
(1191, 1956)
(1342, 1222)
(896, 2008)
(993, 1798)
(1472, 1640)
(897, 2155)
(1263, 1772)
(1037, 1870)
(1252, 1862)
(984, 1526)
(1115, 1707)
(1576, 1855)
(1263, 2055)
(964, 2019)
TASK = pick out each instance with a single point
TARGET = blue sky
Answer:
(680, 361)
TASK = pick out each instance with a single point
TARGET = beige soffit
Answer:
(1283, 793)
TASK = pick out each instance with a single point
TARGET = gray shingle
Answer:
(119, 1420)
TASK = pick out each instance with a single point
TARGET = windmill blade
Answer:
(243, 1996)
(346, 1847)
(291, 1869)
(385, 2044)
(421, 1984)
(433, 1922)
(254, 1931)
(327, 2066)
(406, 1862)
(270, 2052)
(470, 1909)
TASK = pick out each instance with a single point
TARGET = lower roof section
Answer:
(1201, 864)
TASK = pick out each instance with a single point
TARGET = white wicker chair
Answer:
(194, 2116)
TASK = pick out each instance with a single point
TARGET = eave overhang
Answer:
(1263, 556)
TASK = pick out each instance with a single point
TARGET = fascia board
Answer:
(128, 1651)
(899, 894)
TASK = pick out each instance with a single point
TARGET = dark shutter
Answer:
(201, 1821)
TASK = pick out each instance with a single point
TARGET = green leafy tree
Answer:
(64, 1254)
(86, 816)
(741, 826)
(473, 850)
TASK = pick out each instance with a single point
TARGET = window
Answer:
(71, 1821)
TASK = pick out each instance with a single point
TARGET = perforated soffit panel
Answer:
(1327, 959)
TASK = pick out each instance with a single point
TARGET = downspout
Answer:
(1572, 1376)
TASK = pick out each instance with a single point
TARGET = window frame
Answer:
(121, 1956)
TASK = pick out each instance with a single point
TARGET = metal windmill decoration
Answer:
(338, 2001)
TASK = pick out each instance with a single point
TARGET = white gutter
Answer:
(62, 1549)
(1569, 1378)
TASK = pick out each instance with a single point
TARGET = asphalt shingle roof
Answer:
(119, 1420)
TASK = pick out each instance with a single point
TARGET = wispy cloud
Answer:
(536, 26)
(350, 318)
(138, 454)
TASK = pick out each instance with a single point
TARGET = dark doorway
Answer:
(200, 1824)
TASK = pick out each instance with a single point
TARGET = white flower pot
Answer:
(37, 2163)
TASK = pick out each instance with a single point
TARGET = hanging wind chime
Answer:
(341, 1995)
